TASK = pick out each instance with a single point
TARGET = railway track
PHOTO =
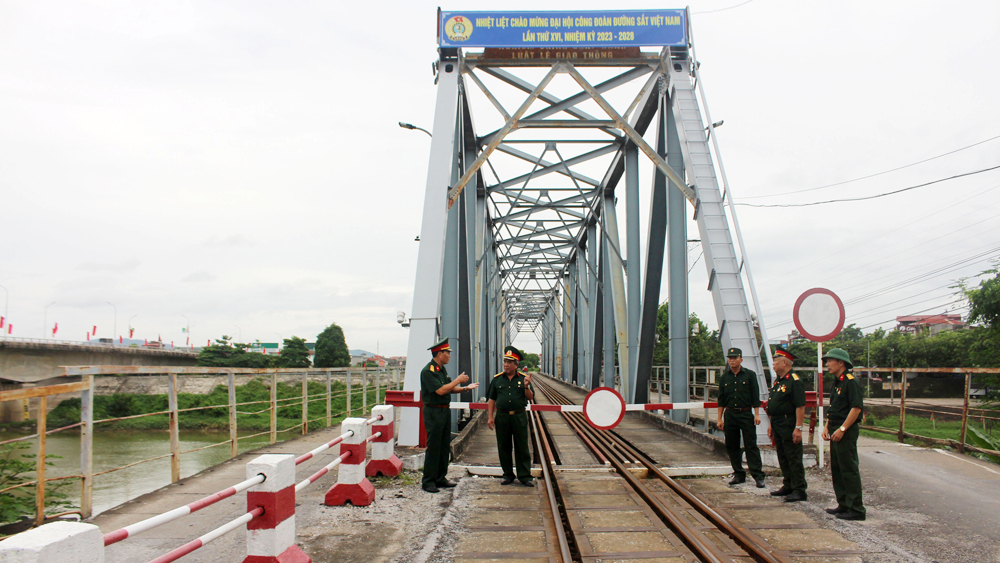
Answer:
(637, 512)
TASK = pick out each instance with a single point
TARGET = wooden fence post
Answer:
(305, 403)
(234, 448)
(965, 412)
(175, 442)
(364, 390)
(329, 396)
(40, 463)
(902, 406)
(274, 407)
(349, 411)
(87, 447)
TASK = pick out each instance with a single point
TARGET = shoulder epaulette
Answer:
(499, 374)
(795, 377)
(849, 376)
(434, 368)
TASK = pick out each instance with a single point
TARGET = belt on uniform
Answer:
(738, 409)
(438, 406)
(512, 412)
(783, 415)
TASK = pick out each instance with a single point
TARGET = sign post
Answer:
(819, 316)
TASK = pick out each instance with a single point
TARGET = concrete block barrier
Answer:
(271, 537)
(352, 484)
(384, 460)
(65, 542)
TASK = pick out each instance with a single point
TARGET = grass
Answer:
(944, 430)
(405, 477)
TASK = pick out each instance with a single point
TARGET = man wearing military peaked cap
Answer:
(786, 407)
(435, 391)
(846, 406)
(508, 399)
(738, 396)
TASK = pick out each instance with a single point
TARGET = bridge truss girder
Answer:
(518, 235)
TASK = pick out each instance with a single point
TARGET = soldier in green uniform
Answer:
(738, 395)
(786, 407)
(508, 397)
(846, 404)
(435, 388)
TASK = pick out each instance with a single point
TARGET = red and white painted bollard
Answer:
(271, 537)
(352, 485)
(384, 459)
(65, 542)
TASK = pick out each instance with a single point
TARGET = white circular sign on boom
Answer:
(819, 314)
(604, 408)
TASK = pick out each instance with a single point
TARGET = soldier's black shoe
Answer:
(507, 481)
(432, 489)
(851, 516)
(835, 511)
(783, 491)
(737, 480)
(795, 496)
(446, 484)
(528, 482)
(759, 482)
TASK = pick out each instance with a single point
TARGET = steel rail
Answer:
(755, 547)
(550, 488)
(704, 551)
(741, 535)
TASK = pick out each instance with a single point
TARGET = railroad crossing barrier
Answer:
(270, 516)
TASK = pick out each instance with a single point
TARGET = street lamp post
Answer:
(115, 333)
(45, 319)
(188, 329)
(412, 127)
(240, 337)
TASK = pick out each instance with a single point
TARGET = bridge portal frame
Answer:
(499, 256)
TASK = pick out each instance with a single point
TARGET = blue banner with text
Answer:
(622, 28)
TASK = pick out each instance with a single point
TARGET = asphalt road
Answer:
(928, 505)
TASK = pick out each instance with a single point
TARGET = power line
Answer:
(876, 196)
(723, 9)
(876, 174)
(917, 313)
(868, 240)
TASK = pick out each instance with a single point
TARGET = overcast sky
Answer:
(240, 163)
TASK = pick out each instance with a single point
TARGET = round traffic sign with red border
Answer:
(819, 314)
(604, 408)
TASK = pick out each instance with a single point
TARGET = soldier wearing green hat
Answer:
(435, 388)
(846, 405)
(739, 394)
(508, 397)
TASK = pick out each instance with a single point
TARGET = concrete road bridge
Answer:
(535, 140)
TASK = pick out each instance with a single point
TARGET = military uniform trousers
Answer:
(845, 471)
(789, 453)
(437, 423)
(737, 423)
(512, 433)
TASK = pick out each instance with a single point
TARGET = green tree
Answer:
(331, 348)
(531, 361)
(15, 468)
(228, 354)
(703, 344)
(294, 354)
(984, 301)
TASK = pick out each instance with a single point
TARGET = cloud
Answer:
(126, 266)
(199, 277)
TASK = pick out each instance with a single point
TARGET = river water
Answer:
(117, 448)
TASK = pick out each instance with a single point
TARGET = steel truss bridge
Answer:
(521, 231)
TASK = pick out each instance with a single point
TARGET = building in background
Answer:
(913, 324)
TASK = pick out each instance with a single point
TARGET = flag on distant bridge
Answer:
(10, 327)
(95, 331)
(55, 329)
(1, 322)
(88, 336)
